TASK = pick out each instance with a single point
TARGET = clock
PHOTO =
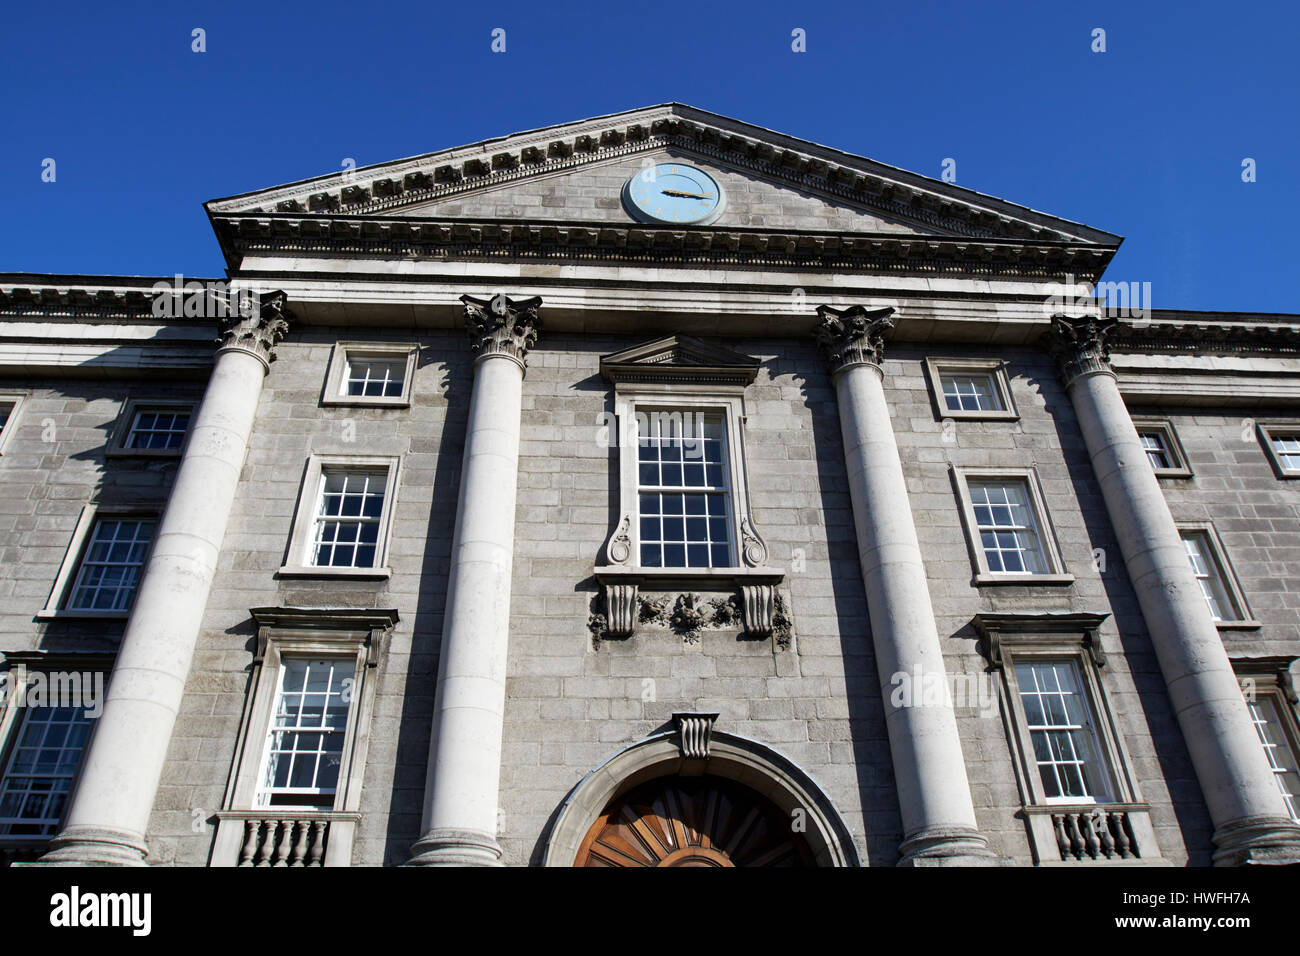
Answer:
(674, 193)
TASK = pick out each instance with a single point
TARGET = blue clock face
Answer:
(674, 193)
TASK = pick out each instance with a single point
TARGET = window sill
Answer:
(169, 453)
(361, 401)
(63, 614)
(980, 416)
(1247, 625)
(1173, 472)
(362, 574)
(1031, 579)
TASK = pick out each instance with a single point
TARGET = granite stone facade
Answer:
(479, 646)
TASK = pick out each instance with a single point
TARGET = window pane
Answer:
(1007, 529)
(44, 760)
(111, 566)
(373, 376)
(305, 741)
(683, 495)
(158, 429)
(1157, 454)
(1287, 449)
(1209, 575)
(970, 392)
(348, 514)
(1061, 727)
(1281, 758)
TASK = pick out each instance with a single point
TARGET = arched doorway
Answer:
(693, 821)
(647, 777)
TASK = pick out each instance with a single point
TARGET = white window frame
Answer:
(17, 399)
(1278, 429)
(62, 592)
(336, 377)
(1056, 572)
(357, 635)
(117, 447)
(937, 367)
(304, 523)
(1178, 467)
(1270, 678)
(22, 665)
(649, 399)
(1244, 620)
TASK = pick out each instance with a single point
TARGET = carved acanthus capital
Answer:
(258, 332)
(502, 326)
(1078, 345)
(852, 336)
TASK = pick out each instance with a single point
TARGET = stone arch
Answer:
(731, 757)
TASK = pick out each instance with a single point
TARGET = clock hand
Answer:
(676, 192)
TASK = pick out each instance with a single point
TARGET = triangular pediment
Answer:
(675, 358)
(574, 174)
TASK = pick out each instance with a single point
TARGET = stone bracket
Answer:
(694, 733)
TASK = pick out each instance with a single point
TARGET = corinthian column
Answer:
(109, 813)
(1251, 824)
(929, 770)
(464, 774)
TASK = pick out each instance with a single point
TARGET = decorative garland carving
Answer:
(753, 547)
(619, 547)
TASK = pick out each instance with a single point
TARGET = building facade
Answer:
(654, 489)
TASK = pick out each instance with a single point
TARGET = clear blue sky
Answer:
(1145, 140)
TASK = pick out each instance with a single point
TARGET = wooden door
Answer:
(693, 821)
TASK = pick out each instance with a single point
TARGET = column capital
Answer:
(257, 333)
(502, 326)
(1078, 345)
(852, 336)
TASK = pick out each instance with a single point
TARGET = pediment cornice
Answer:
(389, 188)
(271, 234)
(676, 358)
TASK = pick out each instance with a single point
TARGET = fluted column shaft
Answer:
(1251, 824)
(109, 812)
(938, 816)
(463, 779)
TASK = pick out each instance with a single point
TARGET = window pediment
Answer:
(679, 359)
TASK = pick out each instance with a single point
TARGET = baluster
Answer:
(283, 844)
(1090, 842)
(251, 830)
(1062, 841)
(1076, 839)
(1122, 845)
(300, 845)
(268, 843)
(1101, 823)
(318, 831)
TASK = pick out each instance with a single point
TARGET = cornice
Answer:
(278, 234)
(75, 299)
(1206, 339)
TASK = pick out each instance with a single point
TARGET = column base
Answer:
(447, 847)
(946, 846)
(94, 846)
(1257, 840)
